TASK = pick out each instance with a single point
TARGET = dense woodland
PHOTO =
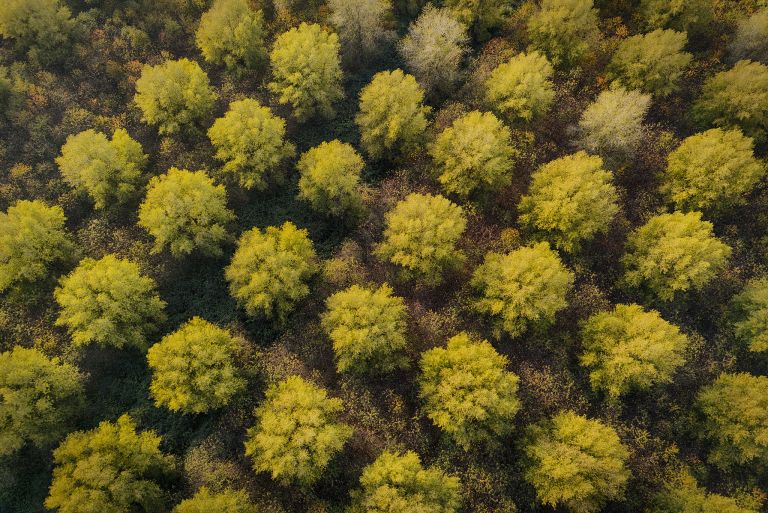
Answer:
(383, 256)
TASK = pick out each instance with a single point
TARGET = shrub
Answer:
(232, 34)
(565, 30)
(751, 39)
(522, 88)
(227, 501)
(750, 308)
(42, 28)
(362, 25)
(330, 178)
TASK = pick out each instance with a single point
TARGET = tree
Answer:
(713, 170)
(480, 15)
(39, 398)
(193, 368)
(474, 153)
(306, 71)
(232, 34)
(110, 171)
(751, 39)
(227, 501)
(109, 302)
(467, 391)
(575, 462)
(570, 200)
(737, 97)
(683, 16)
(565, 30)
(367, 327)
(296, 432)
(750, 308)
(392, 115)
(674, 253)
(42, 28)
(250, 141)
(330, 178)
(110, 469)
(174, 95)
(684, 495)
(362, 25)
(421, 234)
(522, 89)
(270, 268)
(32, 239)
(651, 63)
(185, 211)
(526, 286)
(735, 409)
(434, 49)
(630, 348)
(612, 125)
(397, 482)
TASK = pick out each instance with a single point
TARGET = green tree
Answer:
(467, 391)
(684, 495)
(737, 97)
(42, 28)
(421, 235)
(330, 178)
(185, 211)
(110, 469)
(475, 152)
(363, 26)
(565, 30)
(367, 327)
(193, 368)
(32, 239)
(674, 253)
(750, 309)
(570, 200)
(174, 95)
(751, 39)
(227, 501)
(109, 302)
(269, 270)
(713, 170)
(297, 432)
(630, 348)
(735, 409)
(306, 71)
(524, 287)
(652, 63)
(232, 34)
(575, 462)
(110, 171)
(395, 483)
(39, 398)
(250, 141)
(480, 15)
(683, 16)
(392, 114)
(522, 88)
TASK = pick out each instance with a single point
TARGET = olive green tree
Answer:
(297, 432)
(43, 29)
(232, 34)
(565, 30)
(688, 16)
(39, 399)
(570, 200)
(110, 303)
(520, 288)
(751, 39)
(481, 15)
(226, 501)
(750, 314)
(521, 89)
(682, 494)
(330, 178)
(467, 391)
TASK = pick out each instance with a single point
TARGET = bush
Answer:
(330, 178)
(565, 30)
(735, 409)
(367, 327)
(652, 63)
(570, 200)
(193, 368)
(250, 141)
(750, 308)
(674, 253)
(575, 462)
(109, 302)
(751, 39)
(185, 212)
(296, 432)
(109, 171)
(270, 268)
(522, 88)
(713, 170)
(227, 501)
(112, 468)
(306, 71)
(467, 391)
(524, 287)
(32, 239)
(474, 153)
(42, 28)
(420, 236)
(362, 25)
(39, 399)
(392, 115)
(683, 16)
(232, 34)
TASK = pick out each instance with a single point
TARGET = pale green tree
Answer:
(232, 34)
(565, 30)
(42, 28)
(751, 39)
(521, 89)
(750, 312)
(226, 501)
(364, 26)
(330, 178)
